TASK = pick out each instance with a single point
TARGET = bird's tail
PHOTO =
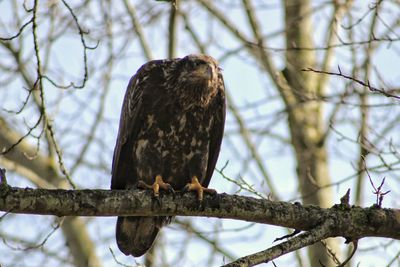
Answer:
(135, 235)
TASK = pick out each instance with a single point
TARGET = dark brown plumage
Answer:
(171, 126)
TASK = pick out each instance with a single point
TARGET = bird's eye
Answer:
(195, 64)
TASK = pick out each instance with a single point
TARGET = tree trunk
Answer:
(305, 117)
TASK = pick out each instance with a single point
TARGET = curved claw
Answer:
(156, 186)
(170, 189)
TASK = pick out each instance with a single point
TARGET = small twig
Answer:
(85, 48)
(24, 103)
(243, 185)
(7, 150)
(137, 27)
(39, 84)
(172, 29)
(355, 246)
(345, 200)
(46, 238)
(371, 8)
(246, 136)
(3, 179)
(295, 232)
(366, 84)
(120, 263)
(373, 39)
(377, 190)
(331, 254)
(21, 29)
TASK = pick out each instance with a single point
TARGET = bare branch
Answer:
(352, 222)
(366, 84)
(172, 28)
(21, 29)
(85, 47)
(130, 8)
(318, 233)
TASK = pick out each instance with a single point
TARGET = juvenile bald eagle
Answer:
(170, 132)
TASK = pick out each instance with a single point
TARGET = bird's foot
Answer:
(195, 185)
(156, 186)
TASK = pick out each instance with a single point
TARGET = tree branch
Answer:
(354, 223)
(367, 84)
(308, 238)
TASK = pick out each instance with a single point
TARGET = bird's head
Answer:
(199, 69)
(199, 77)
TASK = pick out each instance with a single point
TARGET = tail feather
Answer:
(136, 235)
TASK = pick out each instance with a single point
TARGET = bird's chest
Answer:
(177, 133)
(174, 144)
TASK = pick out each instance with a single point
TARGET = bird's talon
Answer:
(185, 189)
(170, 189)
(156, 189)
(195, 185)
(143, 185)
(156, 186)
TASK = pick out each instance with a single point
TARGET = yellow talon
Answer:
(195, 185)
(158, 183)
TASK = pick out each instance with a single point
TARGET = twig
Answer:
(39, 84)
(246, 136)
(355, 246)
(373, 7)
(3, 179)
(85, 48)
(366, 84)
(131, 10)
(120, 263)
(21, 29)
(172, 38)
(46, 238)
(377, 190)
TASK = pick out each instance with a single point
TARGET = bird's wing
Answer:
(149, 76)
(217, 131)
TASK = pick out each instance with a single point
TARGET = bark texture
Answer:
(350, 222)
(305, 117)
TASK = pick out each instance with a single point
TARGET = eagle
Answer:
(169, 137)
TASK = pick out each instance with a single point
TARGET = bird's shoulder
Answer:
(155, 71)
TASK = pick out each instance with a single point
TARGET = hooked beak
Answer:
(204, 71)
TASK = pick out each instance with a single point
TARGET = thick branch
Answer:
(351, 223)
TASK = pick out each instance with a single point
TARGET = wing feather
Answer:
(217, 131)
(132, 112)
